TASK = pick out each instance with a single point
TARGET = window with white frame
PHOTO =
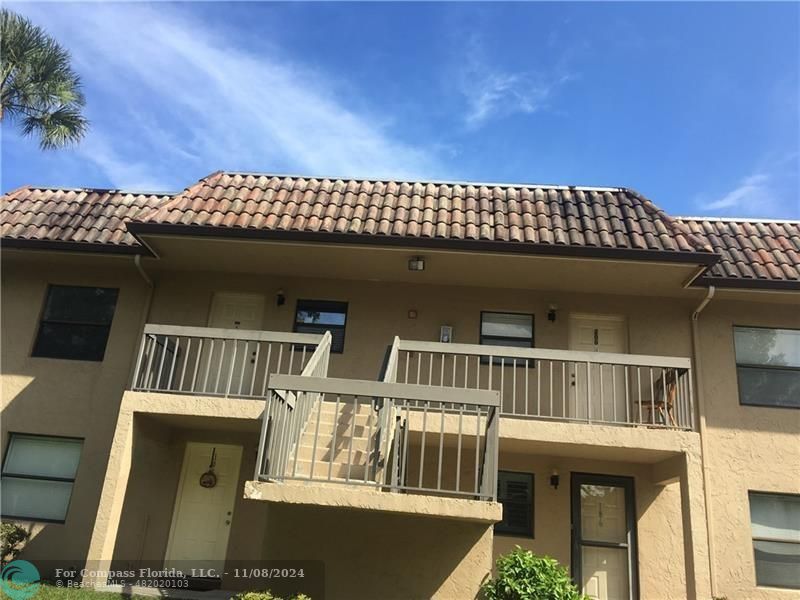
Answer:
(775, 522)
(768, 366)
(38, 475)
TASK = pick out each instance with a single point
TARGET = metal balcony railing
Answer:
(218, 362)
(355, 432)
(588, 387)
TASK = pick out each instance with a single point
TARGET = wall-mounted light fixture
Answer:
(554, 479)
(412, 313)
(280, 298)
(551, 312)
(416, 263)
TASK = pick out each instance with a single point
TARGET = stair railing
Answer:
(286, 416)
(451, 452)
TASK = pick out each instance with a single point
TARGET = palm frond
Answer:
(57, 128)
(38, 86)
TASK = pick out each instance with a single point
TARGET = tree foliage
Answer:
(39, 89)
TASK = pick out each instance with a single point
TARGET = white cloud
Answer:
(770, 191)
(491, 92)
(750, 193)
(174, 94)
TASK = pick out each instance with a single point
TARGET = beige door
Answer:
(603, 542)
(597, 392)
(202, 516)
(231, 364)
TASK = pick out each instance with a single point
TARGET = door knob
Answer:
(227, 522)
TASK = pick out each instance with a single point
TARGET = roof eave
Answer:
(747, 284)
(77, 247)
(139, 229)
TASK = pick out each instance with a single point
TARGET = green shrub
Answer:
(11, 537)
(267, 595)
(521, 575)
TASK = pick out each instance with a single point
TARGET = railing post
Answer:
(262, 443)
(136, 371)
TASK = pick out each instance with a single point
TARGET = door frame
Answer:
(179, 492)
(611, 318)
(219, 296)
(628, 484)
(575, 373)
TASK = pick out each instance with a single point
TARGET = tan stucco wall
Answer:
(748, 447)
(452, 554)
(64, 397)
(150, 498)
(378, 311)
(135, 510)
(659, 519)
(374, 555)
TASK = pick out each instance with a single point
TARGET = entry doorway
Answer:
(204, 506)
(604, 554)
(226, 362)
(597, 333)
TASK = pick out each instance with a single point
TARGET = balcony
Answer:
(561, 385)
(432, 427)
(228, 363)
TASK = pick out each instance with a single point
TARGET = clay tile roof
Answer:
(547, 219)
(545, 216)
(90, 218)
(749, 250)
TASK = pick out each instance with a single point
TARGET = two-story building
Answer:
(400, 381)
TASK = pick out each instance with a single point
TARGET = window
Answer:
(775, 521)
(38, 474)
(75, 322)
(319, 316)
(506, 329)
(515, 493)
(768, 366)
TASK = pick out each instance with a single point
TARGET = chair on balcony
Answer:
(661, 407)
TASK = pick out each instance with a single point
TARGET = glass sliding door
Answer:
(604, 537)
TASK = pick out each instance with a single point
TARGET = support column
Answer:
(686, 469)
(109, 511)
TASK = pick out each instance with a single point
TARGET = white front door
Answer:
(202, 516)
(231, 364)
(597, 392)
(604, 553)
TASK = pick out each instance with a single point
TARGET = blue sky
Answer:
(697, 106)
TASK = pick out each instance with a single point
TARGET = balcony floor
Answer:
(352, 497)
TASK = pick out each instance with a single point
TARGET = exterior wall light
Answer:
(555, 480)
(416, 263)
(280, 298)
(551, 313)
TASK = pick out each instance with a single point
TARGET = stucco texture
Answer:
(65, 397)
(748, 448)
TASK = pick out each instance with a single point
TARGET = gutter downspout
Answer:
(701, 418)
(137, 261)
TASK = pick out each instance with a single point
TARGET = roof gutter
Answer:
(701, 419)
